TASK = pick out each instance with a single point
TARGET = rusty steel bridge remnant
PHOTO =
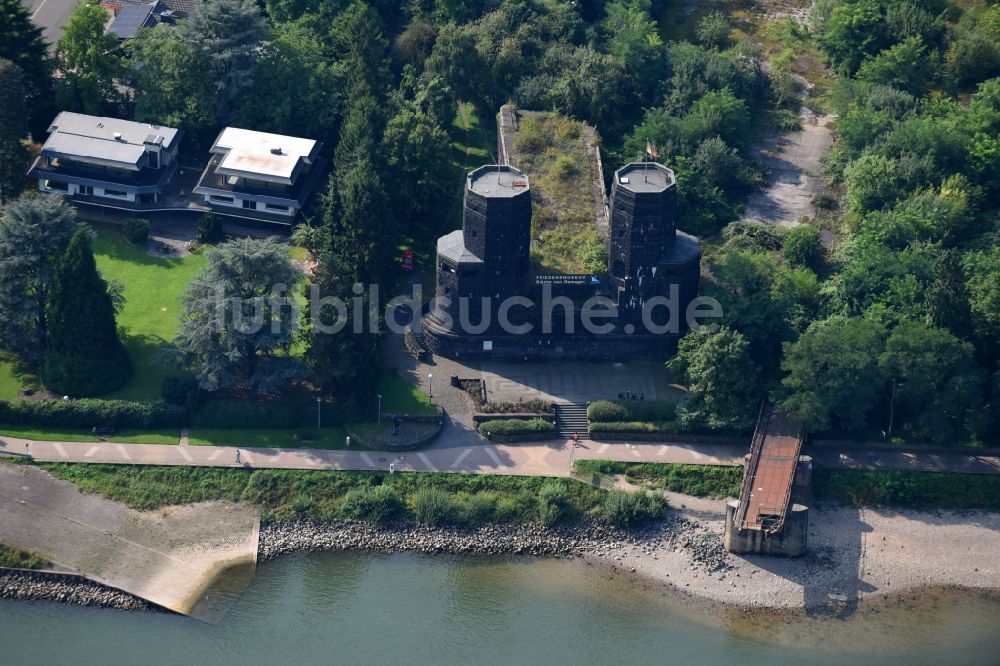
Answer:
(766, 519)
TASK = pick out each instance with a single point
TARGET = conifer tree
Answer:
(83, 354)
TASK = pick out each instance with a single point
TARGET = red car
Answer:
(407, 264)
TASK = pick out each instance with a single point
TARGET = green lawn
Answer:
(401, 397)
(10, 384)
(297, 438)
(153, 288)
(84, 435)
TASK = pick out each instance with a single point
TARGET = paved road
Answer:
(553, 458)
(51, 16)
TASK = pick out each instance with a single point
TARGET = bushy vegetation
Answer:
(19, 558)
(553, 151)
(634, 426)
(715, 481)
(604, 411)
(903, 488)
(432, 499)
(533, 406)
(136, 230)
(517, 427)
(374, 504)
(624, 509)
(90, 413)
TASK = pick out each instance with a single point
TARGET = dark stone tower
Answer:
(489, 256)
(646, 254)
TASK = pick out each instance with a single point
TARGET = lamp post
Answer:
(319, 412)
(430, 385)
(379, 395)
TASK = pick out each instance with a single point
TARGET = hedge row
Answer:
(533, 406)
(516, 426)
(604, 411)
(92, 413)
(635, 426)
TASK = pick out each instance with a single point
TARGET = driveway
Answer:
(51, 16)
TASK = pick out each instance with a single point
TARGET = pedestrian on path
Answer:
(237, 456)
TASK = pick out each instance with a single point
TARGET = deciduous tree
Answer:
(89, 60)
(724, 384)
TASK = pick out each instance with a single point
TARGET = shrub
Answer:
(804, 247)
(210, 229)
(181, 391)
(378, 504)
(136, 231)
(533, 406)
(478, 508)
(564, 167)
(623, 508)
(752, 236)
(91, 413)
(517, 426)
(632, 410)
(255, 414)
(607, 410)
(512, 507)
(552, 500)
(432, 506)
(635, 426)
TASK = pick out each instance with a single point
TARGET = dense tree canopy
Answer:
(89, 61)
(83, 354)
(240, 318)
(723, 382)
(14, 116)
(34, 234)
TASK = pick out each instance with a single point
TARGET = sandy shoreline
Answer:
(856, 556)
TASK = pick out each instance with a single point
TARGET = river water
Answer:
(345, 608)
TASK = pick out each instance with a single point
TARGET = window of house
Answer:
(276, 207)
(251, 205)
(115, 193)
(86, 189)
(55, 185)
(218, 198)
(154, 159)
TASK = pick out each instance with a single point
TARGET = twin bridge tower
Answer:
(490, 258)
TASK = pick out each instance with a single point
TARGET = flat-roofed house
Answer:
(109, 162)
(260, 176)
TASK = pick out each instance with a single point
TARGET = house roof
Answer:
(260, 155)
(130, 18)
(179, 8)
(105, 141)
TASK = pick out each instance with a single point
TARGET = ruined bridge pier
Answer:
(771, 516)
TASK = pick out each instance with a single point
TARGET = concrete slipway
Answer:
(169, 556)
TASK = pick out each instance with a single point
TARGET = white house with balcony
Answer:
(109, 162)
(260, 176)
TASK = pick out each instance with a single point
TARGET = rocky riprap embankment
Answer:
(594, 538)
(48, 587)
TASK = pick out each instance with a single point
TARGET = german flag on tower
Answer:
(651, 150)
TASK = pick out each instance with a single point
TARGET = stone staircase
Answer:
(571, 418)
